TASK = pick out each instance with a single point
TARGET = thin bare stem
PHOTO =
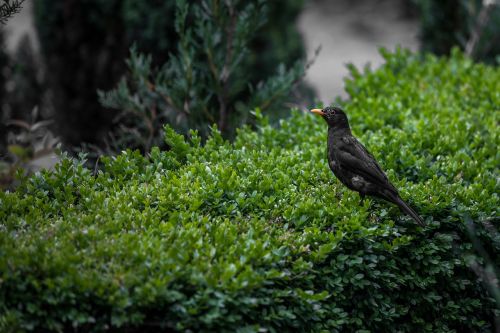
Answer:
(482, 21)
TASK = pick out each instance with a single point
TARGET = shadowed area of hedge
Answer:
(257, 235)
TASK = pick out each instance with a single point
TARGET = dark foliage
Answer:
(449, 23)
(4, 62)
(25, 136)
(208, 80)
(8, 8)
(84, 43)
(24, 77)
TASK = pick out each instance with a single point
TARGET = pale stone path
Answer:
(20, 25)
(351, 32)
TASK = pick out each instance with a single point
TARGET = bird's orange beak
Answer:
(318, 111)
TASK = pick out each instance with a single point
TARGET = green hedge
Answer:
(258, 236)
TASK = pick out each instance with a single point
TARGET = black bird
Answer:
(354, 166)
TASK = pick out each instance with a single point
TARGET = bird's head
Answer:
(334, 116)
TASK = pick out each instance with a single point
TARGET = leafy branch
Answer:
(9, 8)
(207, 80)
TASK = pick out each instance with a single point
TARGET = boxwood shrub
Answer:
(257, 235)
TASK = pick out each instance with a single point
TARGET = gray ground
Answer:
(20, 25)
(351, 31)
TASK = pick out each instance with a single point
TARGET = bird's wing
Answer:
(353, 156)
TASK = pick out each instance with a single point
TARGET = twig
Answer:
(482, 20)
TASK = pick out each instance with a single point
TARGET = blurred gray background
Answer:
(347, 31)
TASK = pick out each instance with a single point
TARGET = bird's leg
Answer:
(362, 198)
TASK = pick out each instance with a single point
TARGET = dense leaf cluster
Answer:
(209, 79)
(256, 235)
(4, 62)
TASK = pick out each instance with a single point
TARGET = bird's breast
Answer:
(333, 162)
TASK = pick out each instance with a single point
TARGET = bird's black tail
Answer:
(406, 208)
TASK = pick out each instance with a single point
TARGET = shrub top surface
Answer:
(258, 234)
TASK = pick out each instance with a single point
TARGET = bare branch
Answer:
(482, 21)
